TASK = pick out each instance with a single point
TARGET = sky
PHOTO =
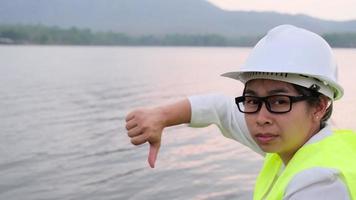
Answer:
(325, 9)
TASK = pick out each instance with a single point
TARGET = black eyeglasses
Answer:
(274, 103)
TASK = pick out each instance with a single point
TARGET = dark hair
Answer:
(315, 100)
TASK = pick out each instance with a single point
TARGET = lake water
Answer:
(62, 112)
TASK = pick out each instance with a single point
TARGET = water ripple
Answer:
(116, 176)
(106, 153)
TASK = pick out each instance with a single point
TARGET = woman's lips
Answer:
(265, 137)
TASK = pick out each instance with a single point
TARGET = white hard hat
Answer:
(295, 55)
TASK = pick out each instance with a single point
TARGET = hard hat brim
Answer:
(328, 87)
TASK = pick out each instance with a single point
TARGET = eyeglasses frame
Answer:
(293, 99)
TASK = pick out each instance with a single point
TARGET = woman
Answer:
(290, 85)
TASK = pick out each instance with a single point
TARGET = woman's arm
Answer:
(146, 124)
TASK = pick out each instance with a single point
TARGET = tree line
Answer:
(44, 35)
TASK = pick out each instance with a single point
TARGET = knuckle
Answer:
(134, 142)
(143, 127)
(133, 114)
(129, 134)
(137, 142)
(129, 117)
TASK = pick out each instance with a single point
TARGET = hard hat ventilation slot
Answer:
(259, 74)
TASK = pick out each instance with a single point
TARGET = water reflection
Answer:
(62, 123)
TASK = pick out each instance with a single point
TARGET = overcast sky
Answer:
(325, 9)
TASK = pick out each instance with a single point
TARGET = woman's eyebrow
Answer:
(278, 91)
(271, 92)
(249, 92)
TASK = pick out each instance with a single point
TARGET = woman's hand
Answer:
(147, 124)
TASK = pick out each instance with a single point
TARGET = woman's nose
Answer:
(263, 116)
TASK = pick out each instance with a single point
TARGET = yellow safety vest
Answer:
(337, 151)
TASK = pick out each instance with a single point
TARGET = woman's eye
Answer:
(251, 101)
(280, 101)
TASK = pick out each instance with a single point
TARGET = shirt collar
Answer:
(323, 133)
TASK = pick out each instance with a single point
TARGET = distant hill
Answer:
(157, 17)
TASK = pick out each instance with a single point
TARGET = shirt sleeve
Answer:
(318, 184)
(221, 110)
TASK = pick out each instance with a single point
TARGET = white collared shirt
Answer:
(314, 183)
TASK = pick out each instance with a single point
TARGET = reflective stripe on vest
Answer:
(337, 151)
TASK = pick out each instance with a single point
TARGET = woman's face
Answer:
(279, 133)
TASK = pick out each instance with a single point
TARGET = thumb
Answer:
(152, 155)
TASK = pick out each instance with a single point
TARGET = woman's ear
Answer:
(320, 108)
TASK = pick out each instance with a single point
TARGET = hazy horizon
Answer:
(329, 10)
